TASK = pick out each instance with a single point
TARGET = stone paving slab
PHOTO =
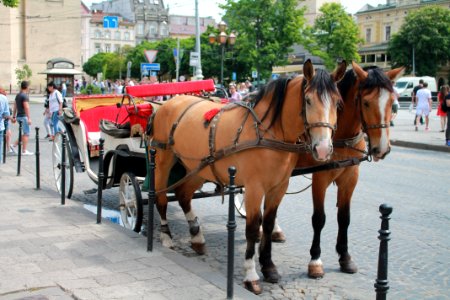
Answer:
(49, 251)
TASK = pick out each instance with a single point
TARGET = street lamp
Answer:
(223, 39)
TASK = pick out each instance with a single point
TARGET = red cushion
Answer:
(144, 111)
(173, 88)
(91, 117)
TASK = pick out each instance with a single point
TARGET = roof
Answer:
(185, 29)
(369, 8)
(59, 60)
(61, 72)
(97, 17)
(375, 48)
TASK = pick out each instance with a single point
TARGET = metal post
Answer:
(381, 283)
(4, 147)
(100, 181)
(231, 226)
(221, 64)
(63, 169)
(198, 49)
(38, 170)
(19, 154)
(151, 200)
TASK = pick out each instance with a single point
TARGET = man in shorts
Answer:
(21, 113)
(4, 118)
(423, 105)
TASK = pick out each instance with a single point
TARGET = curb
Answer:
(420, 146)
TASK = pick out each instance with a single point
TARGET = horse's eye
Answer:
(308, 100)
(366, 104)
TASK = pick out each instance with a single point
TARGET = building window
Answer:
(387, 32)
(107, 48)
(117, 35)
(98, 34)
(140, 29)
(370, 58)
(126, 36)
(107, 34)
(368, 35)
(98, 48)
(363, 58)
(117, 48)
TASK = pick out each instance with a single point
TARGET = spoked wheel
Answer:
(57, 165)
(130, 197)
(239, 203)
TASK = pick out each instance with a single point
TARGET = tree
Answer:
(334, 35)
(266, 31)
(10, 3)
(425, 31)
(109, 64)
(23, 73)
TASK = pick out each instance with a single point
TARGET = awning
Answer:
(61, 72)
(288, 69)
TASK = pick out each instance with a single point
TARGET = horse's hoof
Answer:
(315, 271)
(348, 266)
(278, 237)
(198, 248)
(253, 286)
(271, 275)
(166, 241)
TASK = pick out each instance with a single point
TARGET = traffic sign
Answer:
(254, 74)
(110, 22)
(147, 68)
(150, 55)
(193, 60)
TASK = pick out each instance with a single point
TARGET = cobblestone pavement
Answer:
(411, 180)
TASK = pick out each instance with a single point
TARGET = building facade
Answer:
(34, 33)
(150, 17)
(377, 24)
(184, 26)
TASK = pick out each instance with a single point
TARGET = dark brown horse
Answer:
(367, 95)
(283, 111)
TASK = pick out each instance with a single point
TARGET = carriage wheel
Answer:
(239, 203)
(57, 164)
(130, 197)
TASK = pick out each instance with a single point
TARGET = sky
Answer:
(211, 7)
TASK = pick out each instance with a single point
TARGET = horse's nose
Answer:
(323, 149)
(375, 151)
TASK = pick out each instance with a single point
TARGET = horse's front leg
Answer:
(271, 203)
(253, 220)
(319, 187)
(184, 195)
(345, 192)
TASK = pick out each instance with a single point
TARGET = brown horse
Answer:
(367, 96)
(283, 111)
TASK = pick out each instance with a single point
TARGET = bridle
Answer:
(308, 125)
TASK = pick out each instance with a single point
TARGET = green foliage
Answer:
(266, 31)
(90, 90)
(427, 30)
(10, 3)
(23, 73)
(334, 35)
(110, 64)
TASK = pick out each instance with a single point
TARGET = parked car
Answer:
(405, 86)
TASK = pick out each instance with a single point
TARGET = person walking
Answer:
(447, 131)
(443, 92)
(64, 89)
(47, 116)
(423, 107)
(414, 99)
(395, 104)
(4, 119)
(55, 103)
(21, 113)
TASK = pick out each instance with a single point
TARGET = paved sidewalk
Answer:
(49, 251)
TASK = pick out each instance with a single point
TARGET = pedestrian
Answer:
(64, 89)
(77, 86)
(21, 113)
(242, 89)
(4, 119)
(235, 96)
(447, 132)
(83, 82)
(249, 86)
(118, 87)
(395, 104)
(55, 103)
(47, 116)
(102, 86)
(423, 107)
(441, 98)
(414, 99)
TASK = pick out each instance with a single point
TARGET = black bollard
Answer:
(63, 169)
(38, 169)
(231, 226)
(151, 200)
(100, 180)
(381, 284)
(4, 147)
(19, 154)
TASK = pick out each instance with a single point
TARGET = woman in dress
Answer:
(442, 114)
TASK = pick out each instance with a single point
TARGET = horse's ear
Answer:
(395, 74)
(362, 75)
(308, 70)
(339, 73)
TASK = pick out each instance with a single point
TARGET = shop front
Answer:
(61, 70)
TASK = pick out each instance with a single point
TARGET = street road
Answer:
(414, 182)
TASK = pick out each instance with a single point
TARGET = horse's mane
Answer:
(278, 88)
(377, 79)
(346, 83)
(323, 83)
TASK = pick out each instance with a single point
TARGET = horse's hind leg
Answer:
(253, 201)
(315, 266)
(271, 203)
(184, 195)
(164, 162)
(345, 192)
